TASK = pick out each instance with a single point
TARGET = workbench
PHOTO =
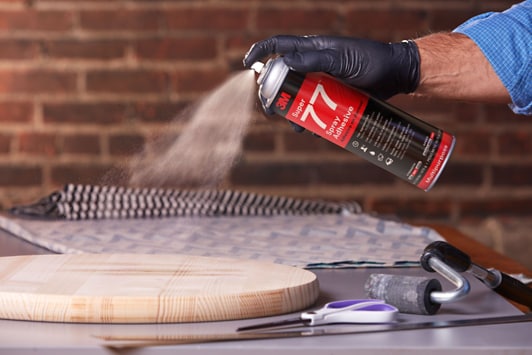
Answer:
(22, 337)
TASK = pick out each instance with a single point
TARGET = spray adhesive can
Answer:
(401, 144)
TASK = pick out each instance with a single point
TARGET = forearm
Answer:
(453, 67)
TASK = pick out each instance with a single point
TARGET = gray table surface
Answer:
(22, 337)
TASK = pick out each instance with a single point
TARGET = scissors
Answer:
(346, 311)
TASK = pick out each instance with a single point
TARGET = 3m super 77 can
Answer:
(405, 146)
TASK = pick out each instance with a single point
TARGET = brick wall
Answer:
(83, 84)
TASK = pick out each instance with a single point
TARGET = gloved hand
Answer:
(381, 69)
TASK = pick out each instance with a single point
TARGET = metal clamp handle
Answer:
(462, 285)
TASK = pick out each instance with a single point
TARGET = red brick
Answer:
(460, 174)
(476, 143)
(502, 114)
(36, 20)
(125, 144)
(79, 173)
(184, 48)
(20, 175)
(88, 144)
(80, 49)
(207, 18)
(89, 113)
(516, 143)
(352, 173)
(512, 175)
(235, 64)
(127, 81)
(16, 112)
(467, 112)
(159, 111)
(448, 19)
(73, 1)
(5, 143)
(241, 41)
(299, 173)
(270, 174)
(36, 143)
(36, 81)
(259, 142)
(370, 21)
(501, 5)
(496, 206)
(19, 49)
(296, 19)
(425, 109)
(197, 80)
(413, 208)
(121, 19)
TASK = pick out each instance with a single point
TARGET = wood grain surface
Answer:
(133, 288)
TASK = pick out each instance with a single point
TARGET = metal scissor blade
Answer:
(131, 342)
(281, 323)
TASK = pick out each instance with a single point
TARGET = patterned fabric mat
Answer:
(315, 241)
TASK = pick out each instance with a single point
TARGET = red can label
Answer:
(381, 133)
(319, 107)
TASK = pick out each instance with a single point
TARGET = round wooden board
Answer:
(148, 288)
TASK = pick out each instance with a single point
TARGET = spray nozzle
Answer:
(257, 66)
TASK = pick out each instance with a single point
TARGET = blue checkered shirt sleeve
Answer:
(505, 38)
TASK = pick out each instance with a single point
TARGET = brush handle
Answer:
(514, 290)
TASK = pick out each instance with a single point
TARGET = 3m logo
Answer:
(283, 100)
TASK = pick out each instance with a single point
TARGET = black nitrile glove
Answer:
(381, 69)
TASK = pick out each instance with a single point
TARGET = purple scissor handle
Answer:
(346, 311)
(352, 311)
